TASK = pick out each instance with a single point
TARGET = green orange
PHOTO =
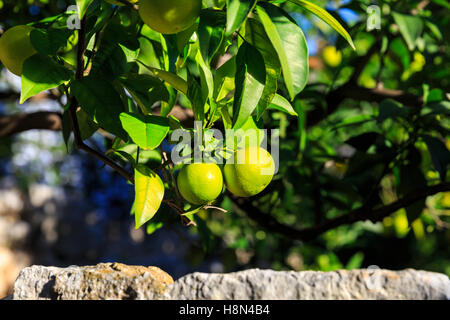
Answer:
(169, 16)
(200, 183)
(16, 47)
(251, 172)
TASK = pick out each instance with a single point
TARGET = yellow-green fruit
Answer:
(169, 16)
(251, 172)
(331, 56)
(16, 47)
(118, 3)
(200, 183)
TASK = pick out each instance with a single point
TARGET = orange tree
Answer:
(363, 139)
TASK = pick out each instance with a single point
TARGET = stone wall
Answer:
(118, 281)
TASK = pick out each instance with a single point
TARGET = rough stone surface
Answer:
(306, 285)
(118, 281)
(103, 281)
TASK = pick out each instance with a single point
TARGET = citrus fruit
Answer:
(118, 3)
(200, 183)
(169, 16)
(16, 47)
(251, 172)
(331, 56)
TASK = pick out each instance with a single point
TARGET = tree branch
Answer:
(360, 214)
(20, 122)
(73, 111)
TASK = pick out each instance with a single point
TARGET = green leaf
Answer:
(224, 79)
(47, 42)
(41, 73)
(149, 190)
(101, 101)
(146, 131)
(82, 7)
(117, 52)
(290, 44)
(249, 82)
(256, 35)
(171, 78)
(237, 12)
(210, 33)
(328, 18)
(198, 100)
(206, 77)
(282, 104)
(410, 27)
(440, 155)
(145, 90)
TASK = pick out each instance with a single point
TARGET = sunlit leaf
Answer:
(237, 11)
(171, 78)
(325, 16)
(149, 190)
(146, 131)
(290, 44)
(41, 73)
(249, 82)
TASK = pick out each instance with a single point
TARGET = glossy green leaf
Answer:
(224, 79)
(146, 131)
(41, 73)
(282, 104)
(237, 12)
(171, 78)
(149, 190)
(197, 98)
(101, 102)
(210, 33)
(82, 7)
(256, 35)
(145, 90)
(249, 82)
(290, 44)
(328, 18)
(206, 77)
(47, 42)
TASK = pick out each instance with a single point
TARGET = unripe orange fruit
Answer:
(16, 47)
(251, 172)
(200, 183)
(169, 16)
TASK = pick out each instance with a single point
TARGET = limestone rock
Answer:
(118, 281)
(308, 285)
(103, 281)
